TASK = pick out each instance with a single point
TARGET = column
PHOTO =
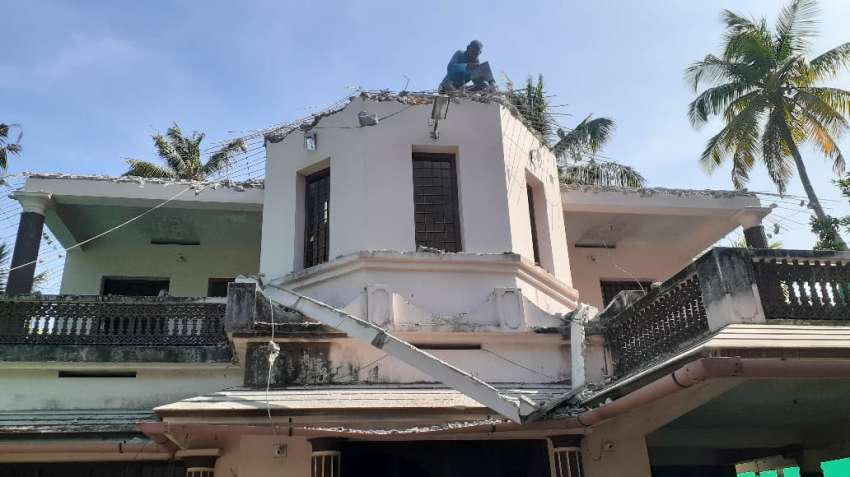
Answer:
(750, 220)
(30, 228)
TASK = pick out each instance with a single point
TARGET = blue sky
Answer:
(91, 81)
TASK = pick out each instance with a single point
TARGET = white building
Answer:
(424, 282)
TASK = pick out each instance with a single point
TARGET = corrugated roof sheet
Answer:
(351, 398)
(73, 421)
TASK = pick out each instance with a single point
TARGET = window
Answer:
(435, 202)
(200, 472)
(534, 242)
(135, 286)
(610, 289)
(218, 286)
(317, 217)
(325, 464)
(567, 462)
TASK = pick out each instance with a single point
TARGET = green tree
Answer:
(8, 147)
(767, 92)
(578, 164)
(576, 149)
(182, 157)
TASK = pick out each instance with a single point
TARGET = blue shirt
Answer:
(456, 71)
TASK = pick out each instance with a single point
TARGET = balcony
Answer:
(100, 328)
(725, 286)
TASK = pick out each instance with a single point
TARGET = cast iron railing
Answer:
(769, 285)
(98, 320)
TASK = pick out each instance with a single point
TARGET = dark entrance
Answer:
(134, 286)
(514, 458)
(95, 469)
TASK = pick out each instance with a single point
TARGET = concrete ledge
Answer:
(19, 353)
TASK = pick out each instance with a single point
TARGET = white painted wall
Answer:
(371, 205)
(25, 389)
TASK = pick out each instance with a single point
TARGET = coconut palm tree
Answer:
(766, 90)
(182, 157)
(580, 145)
(7, 147)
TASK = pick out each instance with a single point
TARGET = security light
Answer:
(438, 112)
(441, 107)
(310, 141)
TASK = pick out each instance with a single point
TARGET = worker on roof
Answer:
(464, 67)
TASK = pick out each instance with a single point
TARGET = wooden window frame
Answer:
(436, 202)
(317, 209)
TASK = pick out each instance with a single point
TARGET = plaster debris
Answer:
(239, 186)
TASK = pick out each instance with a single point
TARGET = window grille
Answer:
(435, 201)
(200, 472)
(567, 462)
(610, 289)
(326, 464)
(317, 218)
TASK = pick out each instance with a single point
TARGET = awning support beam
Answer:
(515, 409)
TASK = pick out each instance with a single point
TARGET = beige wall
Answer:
(592, 265)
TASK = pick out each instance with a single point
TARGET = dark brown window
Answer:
(531, 217)
(610, 289)
(218, 286)
(317, 217)
(135, 286)
(435, 202)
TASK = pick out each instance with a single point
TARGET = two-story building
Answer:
(412, 291)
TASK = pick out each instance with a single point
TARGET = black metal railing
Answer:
(98, 320)
(783, 284)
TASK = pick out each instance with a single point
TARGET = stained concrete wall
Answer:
(26, 389)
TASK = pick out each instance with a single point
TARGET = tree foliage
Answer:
(575, 148)
(9, 147)
(767, 92)
(181, 155)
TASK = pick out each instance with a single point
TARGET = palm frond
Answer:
(593, 173)
(776, 154)
(170, 152)
(587, 137)
(795, 26)
(831, 62)
(222, 158)
(715, 100)
(824, 135)
(148, 169)
(836, 98)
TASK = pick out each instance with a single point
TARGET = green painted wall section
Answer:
(832, 468)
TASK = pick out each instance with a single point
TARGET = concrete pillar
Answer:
(30, 228)
(750, 221)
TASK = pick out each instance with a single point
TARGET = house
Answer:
(410, 290)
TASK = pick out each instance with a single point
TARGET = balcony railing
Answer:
(727, 286)
(98, 320)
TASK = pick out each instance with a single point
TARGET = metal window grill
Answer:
(610, 289)
(326, 464)
(317, 218)
(567, 462)
(200, 472)
(435, 200)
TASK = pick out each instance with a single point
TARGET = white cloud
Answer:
(86, 55)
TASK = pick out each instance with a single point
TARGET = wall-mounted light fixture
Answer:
(366, 119)
(310, 140)
(439, 111)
